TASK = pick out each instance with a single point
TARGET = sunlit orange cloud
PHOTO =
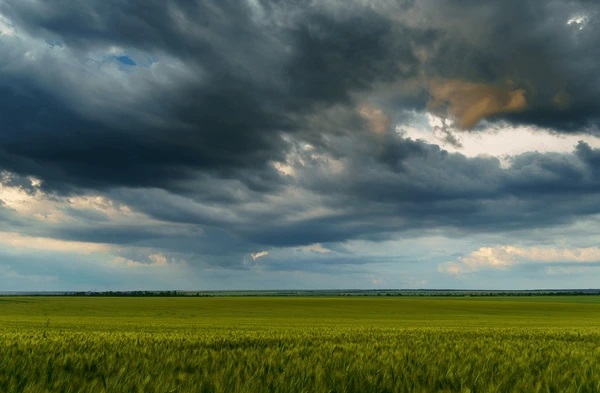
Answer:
(470, 102)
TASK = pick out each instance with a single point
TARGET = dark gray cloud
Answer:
(214, 87)
(253, 71)
(211, 93)
(534, 46)
(221, 114)
(435, 189)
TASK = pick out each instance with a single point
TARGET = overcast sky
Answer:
(252, 144)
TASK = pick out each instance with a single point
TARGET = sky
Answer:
(279, 144)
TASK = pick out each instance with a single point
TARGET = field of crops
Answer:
(271, 344)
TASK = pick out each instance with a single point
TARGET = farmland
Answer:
(300, 344)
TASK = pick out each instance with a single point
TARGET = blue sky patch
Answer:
(125, 60)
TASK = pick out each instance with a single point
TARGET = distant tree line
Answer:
(135, 294)
(388, 292)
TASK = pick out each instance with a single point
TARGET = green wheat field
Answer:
(300, 344)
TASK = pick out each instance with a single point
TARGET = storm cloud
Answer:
(219, 130)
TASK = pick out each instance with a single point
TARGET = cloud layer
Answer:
(207, 130)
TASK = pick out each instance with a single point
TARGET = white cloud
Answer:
(6, 26)
(21, 242)
(154, 260)
(284, 168)
(255, 265)
(315, 248)
(51, 209)
(258, 255)
(492, 142)
(30, 204)
(35, 205)
(578, 21)
(504, 257)
(158, 259)
(115, 211)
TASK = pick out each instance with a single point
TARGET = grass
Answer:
(70, 344)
